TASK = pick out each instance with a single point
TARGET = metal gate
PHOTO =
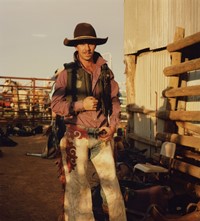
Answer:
(25, 100)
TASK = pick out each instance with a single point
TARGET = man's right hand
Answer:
(90, 103)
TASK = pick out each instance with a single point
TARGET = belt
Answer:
(85, 131)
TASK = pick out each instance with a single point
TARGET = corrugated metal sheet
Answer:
(152, 23)
(149, 84)
(136, 25)
(149, 26)
(150, 80)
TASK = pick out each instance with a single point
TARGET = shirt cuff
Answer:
(78, 106)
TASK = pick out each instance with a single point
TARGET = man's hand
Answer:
(106, 133)
(90, 103)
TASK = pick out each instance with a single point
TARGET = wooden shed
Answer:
(162, 58)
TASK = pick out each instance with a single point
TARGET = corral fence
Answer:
(178, 119)
(26, 101)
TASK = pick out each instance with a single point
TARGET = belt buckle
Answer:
(93, 132)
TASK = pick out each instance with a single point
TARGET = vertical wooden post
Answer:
(130, 67)
(175, 59)
(174, 80)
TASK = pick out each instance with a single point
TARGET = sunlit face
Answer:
(85, 51)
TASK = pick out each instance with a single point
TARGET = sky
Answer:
(32, 34)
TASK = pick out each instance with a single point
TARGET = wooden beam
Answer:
(182, 91)
(173, 81)
(144, 140)
(172, 115)
(179, 34)
(132, 108)
(186, 168)
(189, 141)
(175, 59)
(185, 42)
(179, 115)
(192, 156)
(182, 67)
(171, 103)
(189, 126)
(130, 68)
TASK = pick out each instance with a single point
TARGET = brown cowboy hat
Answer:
(84, 32)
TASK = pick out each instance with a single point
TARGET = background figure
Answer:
(56, 130)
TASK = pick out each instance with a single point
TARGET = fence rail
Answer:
(29, 102)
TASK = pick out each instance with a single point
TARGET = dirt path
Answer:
(29, 186)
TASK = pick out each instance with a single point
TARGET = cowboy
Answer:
(86, 95)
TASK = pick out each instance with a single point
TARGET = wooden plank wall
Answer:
(181, 126)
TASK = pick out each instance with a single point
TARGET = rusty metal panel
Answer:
(152, 23)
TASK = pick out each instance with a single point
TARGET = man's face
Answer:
(85, 51)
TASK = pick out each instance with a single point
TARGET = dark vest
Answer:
(79, 86)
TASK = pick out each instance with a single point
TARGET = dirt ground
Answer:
(29, 186)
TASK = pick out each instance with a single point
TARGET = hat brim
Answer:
(83, 39)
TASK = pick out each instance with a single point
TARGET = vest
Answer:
(79, 86)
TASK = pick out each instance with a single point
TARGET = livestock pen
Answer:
(25, 100)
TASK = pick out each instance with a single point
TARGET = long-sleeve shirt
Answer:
(94, 119)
